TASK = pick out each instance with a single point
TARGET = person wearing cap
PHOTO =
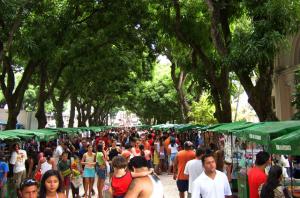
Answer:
(28, 188)
(3, 175)
(180, 162)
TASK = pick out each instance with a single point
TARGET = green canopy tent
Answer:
(187, 127)
(262, 133)
(8, 137)
(210, 127)
(142, 127)
(232, 127)
(69, 131)
(20, 133)
(165, 126)
(287, 144)
(46, 134)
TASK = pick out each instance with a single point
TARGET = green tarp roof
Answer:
(287, 144)
(177, 127)
(8, 137)
(230, 127)
(39, 134)
(264, 132)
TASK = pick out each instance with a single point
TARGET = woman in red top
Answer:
(122, 177)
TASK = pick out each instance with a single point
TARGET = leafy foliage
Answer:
(202, 112)
(296, 101)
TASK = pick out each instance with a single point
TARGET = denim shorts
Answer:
(101, 173)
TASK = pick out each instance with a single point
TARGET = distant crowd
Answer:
(131, 162)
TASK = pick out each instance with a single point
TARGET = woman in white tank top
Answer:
(46, 163)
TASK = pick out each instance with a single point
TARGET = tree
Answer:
(202, 112)
(189, 21)
(17, 53)
(259, 34)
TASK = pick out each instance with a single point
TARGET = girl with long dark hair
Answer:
(272, 188)
(51, 185)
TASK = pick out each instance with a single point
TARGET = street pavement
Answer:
(170, 189)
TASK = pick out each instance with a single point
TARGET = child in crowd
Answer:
(76, 172)
(122, 177)
(64, 167)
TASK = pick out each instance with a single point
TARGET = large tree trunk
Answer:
(43, 95)
(14, 96)
(216, 75)
(260, 95)
(12, 118)
(59, 108)
(84, 113)
(221, 99)
(72, 112)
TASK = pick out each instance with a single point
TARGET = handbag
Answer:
(66, 172)
(38, 175)
(76, 181)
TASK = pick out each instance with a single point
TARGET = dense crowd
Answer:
(131, 161)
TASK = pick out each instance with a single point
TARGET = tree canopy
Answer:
(102, 55)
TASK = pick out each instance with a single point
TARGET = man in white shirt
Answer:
(211, 183)
(18, 159)
(194, 168)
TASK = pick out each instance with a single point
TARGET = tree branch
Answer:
(215, 33)
(14, 28)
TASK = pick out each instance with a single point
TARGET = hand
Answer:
(174, 177)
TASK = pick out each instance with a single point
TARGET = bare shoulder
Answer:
(135, 184)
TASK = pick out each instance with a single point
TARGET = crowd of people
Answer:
(131, 162)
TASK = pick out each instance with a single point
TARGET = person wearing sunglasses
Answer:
(28, 188)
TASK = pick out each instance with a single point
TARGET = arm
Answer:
(110, 191)
(53, 165)
(186, 169)
(175, 168)
(13, 158)
(141, 174)
(134, 190)
(39, 165)
(83, 160)
(227, 189)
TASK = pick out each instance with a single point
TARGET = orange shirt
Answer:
(146, 145)
(182, 158)
(166, 145)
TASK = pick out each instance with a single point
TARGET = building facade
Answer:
(286, 64)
